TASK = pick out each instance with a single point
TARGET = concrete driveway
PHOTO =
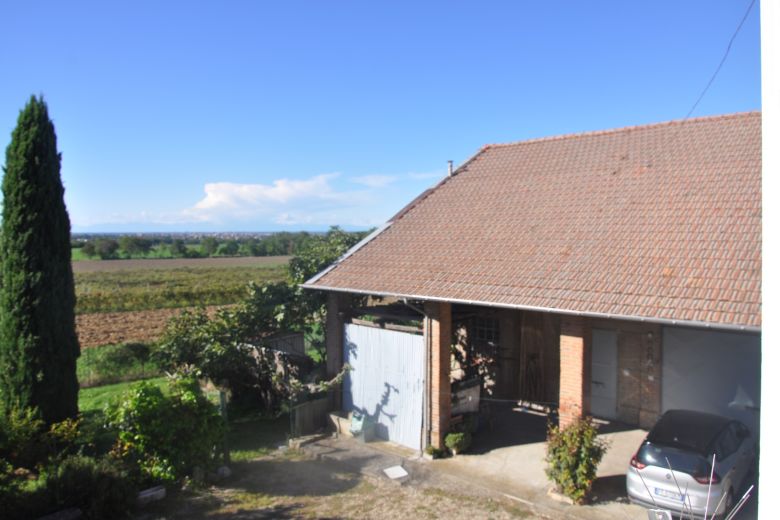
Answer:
(509, 458)
(507, 461)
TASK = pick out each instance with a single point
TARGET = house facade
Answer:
(614, 274)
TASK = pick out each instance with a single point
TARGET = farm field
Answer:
(91, 266)
(157, 288)
(121, 301)
(110, 328)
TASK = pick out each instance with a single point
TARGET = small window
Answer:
(486, 329)
(727, 443)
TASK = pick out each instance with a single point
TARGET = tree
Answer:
(178, 248)
(209, 245)
(134, 246)
(229, 248)
(89, 248)
(38, 342)
(320, 251)
(106, 248)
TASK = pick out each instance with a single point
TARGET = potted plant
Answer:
(458, 442)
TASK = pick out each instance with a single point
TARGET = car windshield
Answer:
(680, 460)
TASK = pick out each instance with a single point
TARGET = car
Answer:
(672, 469)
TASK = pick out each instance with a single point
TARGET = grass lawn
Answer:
(94, 400)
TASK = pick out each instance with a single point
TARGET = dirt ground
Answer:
(109, 328)
(89, 266)
(297, 485)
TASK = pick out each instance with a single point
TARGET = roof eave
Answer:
(644, 319)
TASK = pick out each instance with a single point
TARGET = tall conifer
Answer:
(38, 343)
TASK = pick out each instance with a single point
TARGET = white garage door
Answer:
(715, 372)
(386, 381)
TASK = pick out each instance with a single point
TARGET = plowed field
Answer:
(108, 328)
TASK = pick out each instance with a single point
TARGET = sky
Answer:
(268, 116)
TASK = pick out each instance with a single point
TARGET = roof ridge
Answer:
(592, 133)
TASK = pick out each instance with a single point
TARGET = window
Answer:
(727, 443)
(486, 329)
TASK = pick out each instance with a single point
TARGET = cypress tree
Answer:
(38, 342)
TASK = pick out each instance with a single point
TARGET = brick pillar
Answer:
(574, 399)
(337, 309)
(439, 332)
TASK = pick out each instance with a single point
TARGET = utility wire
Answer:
(722, 61)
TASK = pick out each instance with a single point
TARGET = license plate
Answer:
(669, 494)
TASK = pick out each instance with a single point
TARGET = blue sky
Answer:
(252, 116)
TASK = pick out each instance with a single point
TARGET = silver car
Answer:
(686, 441)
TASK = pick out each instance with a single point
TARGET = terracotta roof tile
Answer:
(658, 221)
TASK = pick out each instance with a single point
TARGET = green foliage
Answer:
(573, 455)
(229, 248)
(320, 251)
(106, 248)
(209, 246)
(228, 348)
(89, 249)
(458, 442)
(98, 487)
(133, 246)
(112, 291)
(38, 343)
(223, 348)
(115, 363)
(167, 437)
(21, 432)
(26, 441)
(436, 453)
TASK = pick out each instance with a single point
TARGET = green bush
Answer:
(21, 443)
(22, 495)
(436, 453)
(98, 487)
(166, 437)
(458, 442)
(573, 455)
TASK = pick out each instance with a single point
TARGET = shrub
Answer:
(573, 454)
(458, 442)
(98, 487)
(21, 432)
(436, 453)
(166, 437)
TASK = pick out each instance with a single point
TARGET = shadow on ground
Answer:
(508, 424)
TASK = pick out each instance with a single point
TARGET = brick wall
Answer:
(439, 322)
(575, 369)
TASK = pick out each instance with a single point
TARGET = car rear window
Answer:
(680, 460)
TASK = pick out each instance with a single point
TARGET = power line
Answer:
(722, 61)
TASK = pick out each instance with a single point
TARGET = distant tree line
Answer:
(140, 246)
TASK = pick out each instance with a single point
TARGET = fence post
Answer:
(223, 413)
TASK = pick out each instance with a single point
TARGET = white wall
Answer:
(712, 371)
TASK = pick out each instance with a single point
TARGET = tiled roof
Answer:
(660, 221)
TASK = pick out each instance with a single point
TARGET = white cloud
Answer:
(313, 202)
(375, 181)
(227, 195)
(226, 201)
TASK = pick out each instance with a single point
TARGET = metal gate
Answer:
(386, 381)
